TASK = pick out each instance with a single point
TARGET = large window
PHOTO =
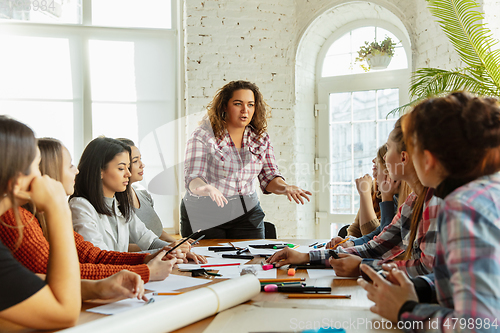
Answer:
(353, 113)
(358, 126)
(77, 69)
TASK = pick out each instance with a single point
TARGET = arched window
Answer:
(352, 110)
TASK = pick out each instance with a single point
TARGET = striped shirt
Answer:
(467, 264)
(219, 163)
(394, 239)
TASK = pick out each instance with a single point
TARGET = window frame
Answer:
(79, 36)
(375, 80)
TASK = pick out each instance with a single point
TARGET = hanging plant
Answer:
(377, 55)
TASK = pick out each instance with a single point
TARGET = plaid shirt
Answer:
(467, 266)
(219, 163)
(394, 239)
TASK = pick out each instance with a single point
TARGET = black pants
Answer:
(247, 226)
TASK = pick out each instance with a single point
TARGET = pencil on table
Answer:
(345, 240)
(165, 294)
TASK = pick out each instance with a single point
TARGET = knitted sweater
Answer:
(33, 252)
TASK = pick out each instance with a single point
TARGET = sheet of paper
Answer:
(213, 261)
(242, 319)
(175, 282)
(203, 250)
(235, 271)
(124, 305)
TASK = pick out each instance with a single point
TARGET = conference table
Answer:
(357, 303)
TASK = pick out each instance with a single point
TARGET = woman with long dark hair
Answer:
(101, 204)
(95, 264)
(56, 302)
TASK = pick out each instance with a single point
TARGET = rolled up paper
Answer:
(174, 313)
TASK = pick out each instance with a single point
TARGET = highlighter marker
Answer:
(271, 288)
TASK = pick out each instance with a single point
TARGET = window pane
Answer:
(341, 196)
(52, 119)
(384, 129)
(35, 67)
(132, 13)
(341, 56)
(340, 107)
(112, 69)
(388, 100)
(42, 11)
(334, 65)
(365, 148)
(341, 45)
(364, 105)
(340, 156)
(360, 36)
(115, 120)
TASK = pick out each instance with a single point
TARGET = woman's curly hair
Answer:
(216, 110)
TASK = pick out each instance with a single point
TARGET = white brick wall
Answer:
(260, 41)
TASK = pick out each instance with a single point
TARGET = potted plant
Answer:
(377, 55)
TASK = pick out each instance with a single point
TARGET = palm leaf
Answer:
(428, 82)
(461, 22)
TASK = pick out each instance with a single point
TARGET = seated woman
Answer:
(225, 157)
(25, 299)
(33, 251)
(143, 202)
(387, 195)
(455, 145)
(412, 232)
(101, 204)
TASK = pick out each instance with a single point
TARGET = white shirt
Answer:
(97, 229)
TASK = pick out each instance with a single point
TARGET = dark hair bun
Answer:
(482, 122)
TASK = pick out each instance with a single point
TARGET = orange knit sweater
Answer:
(95, 263)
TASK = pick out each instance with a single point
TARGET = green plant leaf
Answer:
(428, 82)
(461, 21)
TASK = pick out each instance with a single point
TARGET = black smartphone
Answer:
(368, 279)
(333, 254)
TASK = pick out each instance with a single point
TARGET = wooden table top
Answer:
(339, 286)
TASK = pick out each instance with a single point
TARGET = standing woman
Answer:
(56, 302)
(224, 156)
(101, 204)
(455, 143)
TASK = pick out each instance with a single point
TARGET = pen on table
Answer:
(313, 244)
(345, 240)
(319, 245)
(183, 241)
(215, 265)
(196, 241)
(165, 294)
(284, 283)
(282, 280)
(318, 296)
(240, 251)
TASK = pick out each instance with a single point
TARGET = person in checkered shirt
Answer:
(455, 144)
(226, 155)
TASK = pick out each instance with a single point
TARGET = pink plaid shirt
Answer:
(219, 163)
